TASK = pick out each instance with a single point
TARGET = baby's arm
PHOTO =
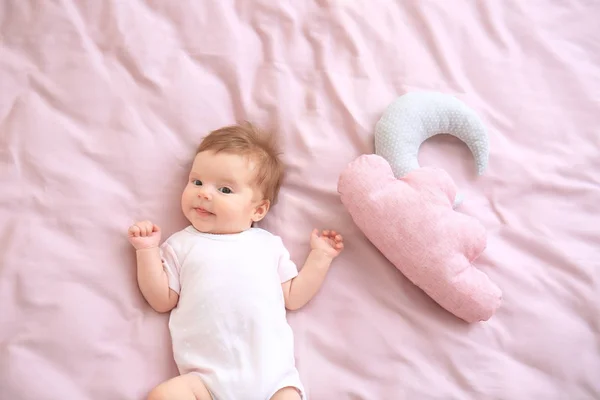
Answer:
(152, 278)
(299, 290)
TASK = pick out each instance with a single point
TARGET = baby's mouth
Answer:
(202, 212)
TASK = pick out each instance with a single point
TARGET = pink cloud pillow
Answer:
(411, 221)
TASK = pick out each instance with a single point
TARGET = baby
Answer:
(227, 282)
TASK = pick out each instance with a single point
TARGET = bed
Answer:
(102, 105)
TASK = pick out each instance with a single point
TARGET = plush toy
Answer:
(412, 222)
(408, 213)
(415, 117)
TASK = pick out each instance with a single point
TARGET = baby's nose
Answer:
(203, 194)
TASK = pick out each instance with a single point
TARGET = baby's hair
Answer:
(247, 140)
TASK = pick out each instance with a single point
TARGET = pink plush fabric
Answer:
(411, 221)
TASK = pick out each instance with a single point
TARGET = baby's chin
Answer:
(201, 227)
(216, 230)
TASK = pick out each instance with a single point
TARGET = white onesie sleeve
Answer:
(171, 266)
(286, 267)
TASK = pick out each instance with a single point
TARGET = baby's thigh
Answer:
(287, 393)
(184, 387)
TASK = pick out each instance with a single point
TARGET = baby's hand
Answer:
(329, 242)
(144, 235)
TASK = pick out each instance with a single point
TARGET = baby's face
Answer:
(220, 196)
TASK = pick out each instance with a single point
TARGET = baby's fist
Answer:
(329, 242)
(144, 235)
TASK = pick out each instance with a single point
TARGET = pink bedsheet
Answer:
(103, 103)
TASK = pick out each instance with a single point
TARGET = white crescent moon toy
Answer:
(415, 117)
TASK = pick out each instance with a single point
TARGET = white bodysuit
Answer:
(230, 325)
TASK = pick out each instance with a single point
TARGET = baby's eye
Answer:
(196, 182)
(225, 190)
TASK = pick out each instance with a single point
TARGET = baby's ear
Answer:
(261, 210)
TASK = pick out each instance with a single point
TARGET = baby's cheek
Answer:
(187, 195)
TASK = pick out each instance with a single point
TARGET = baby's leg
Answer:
(287, 393)
(184, 387)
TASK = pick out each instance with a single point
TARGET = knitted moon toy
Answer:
(415, 117)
